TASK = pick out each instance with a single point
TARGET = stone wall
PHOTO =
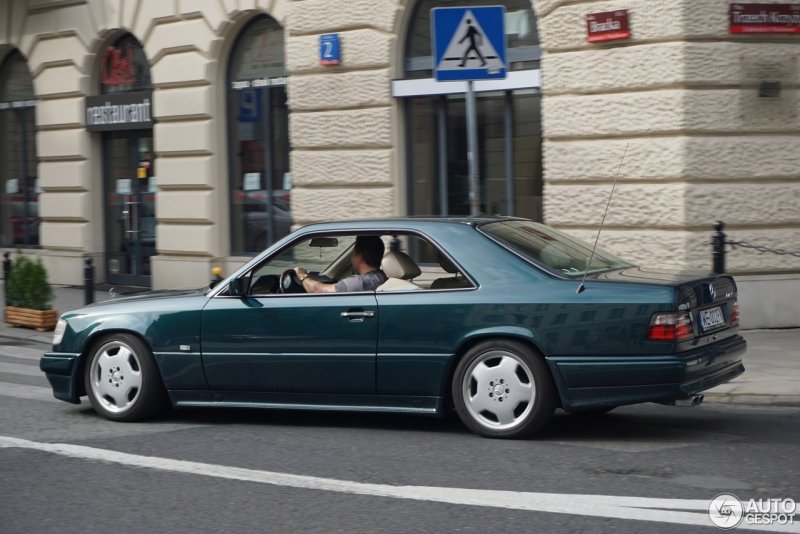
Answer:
(702, 144)
(341, 116)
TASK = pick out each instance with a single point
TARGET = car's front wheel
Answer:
(122, 380)
(503, 389)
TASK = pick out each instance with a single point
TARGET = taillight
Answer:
(735, 312)
(670, 326)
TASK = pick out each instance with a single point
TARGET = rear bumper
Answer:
(587, 381)
(62, 370)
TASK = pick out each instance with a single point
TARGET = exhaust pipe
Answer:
(686, 402)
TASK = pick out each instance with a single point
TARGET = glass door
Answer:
(130, 191)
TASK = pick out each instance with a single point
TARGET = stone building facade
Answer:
(372, 137)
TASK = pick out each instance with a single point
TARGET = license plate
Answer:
(711, 318)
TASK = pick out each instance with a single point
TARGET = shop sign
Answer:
(116, 66)
(764, 18)
(278, 81)
(17, 104)
(119, 111)
(607, 26)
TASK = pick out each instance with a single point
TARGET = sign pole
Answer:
(472, 151)
(468, 44)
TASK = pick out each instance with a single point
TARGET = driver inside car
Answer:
(366, 261)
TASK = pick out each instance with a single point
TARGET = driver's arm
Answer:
(311, 285)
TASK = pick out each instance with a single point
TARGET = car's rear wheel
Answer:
(122, 380)
(503, 389)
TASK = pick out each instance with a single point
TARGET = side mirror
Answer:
(239, 287)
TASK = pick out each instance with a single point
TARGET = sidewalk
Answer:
(772, 360)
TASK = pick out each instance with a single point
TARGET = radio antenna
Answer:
(581, 286)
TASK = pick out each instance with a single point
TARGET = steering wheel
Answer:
(289, 283)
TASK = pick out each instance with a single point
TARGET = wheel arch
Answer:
(516, 333)
(91, 342)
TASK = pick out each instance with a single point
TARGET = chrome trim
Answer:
(358, 314)
(309, 407)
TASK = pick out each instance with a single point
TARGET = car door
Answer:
(321, 343)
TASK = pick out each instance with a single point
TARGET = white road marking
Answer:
(617, 507)
(20, 391)
(20, 369)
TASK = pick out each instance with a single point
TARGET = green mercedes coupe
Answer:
(486, 316)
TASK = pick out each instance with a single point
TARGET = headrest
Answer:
(446, 264)
(397, 264)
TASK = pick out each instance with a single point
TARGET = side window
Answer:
(437, 270)
(320, 255)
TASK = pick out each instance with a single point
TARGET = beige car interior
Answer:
(405, 275)
(401, 270)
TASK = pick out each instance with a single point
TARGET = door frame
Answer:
(139, 280)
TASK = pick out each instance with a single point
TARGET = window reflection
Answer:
(19, 196)
(509, 129)
(260, 177)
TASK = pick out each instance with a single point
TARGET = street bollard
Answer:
(718, 248)
(88, 281)
(6, 274)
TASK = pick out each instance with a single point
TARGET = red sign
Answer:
(607, 26)
(764, 18)
(116, 67)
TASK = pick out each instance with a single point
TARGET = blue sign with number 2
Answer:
(330, 51)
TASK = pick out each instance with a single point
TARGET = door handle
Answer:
(357, 315)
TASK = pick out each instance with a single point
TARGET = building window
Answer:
(19, 207)
(122, 116)
(124, 67)
(258, 137)
(509, 124)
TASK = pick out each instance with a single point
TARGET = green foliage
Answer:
(27, 285)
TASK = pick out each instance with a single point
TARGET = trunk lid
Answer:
(710, 299)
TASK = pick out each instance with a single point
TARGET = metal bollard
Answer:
(6, 273)
(718, 248)
(88, 280)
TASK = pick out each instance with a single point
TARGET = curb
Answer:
(754, 399)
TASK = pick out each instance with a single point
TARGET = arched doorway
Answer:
(122, 112)
(258, 138)
(509, 124)
(19, 207)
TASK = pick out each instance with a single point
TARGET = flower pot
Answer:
(41, 320)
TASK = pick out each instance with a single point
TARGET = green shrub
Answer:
(27, 285)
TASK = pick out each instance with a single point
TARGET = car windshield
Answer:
(554, 250)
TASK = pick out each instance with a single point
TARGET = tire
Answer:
(124, 388)
(503, 389)
(591, 412)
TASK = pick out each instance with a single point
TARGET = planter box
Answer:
(41, 320)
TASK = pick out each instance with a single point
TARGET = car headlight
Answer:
(58, 333)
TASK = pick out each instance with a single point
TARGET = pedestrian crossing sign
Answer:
(469, 43)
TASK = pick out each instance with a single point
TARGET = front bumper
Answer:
(587, 381)
(62, 371)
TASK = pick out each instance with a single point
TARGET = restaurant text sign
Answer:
(764, 18)
(607, 26)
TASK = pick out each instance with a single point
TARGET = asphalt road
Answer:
(647, 468)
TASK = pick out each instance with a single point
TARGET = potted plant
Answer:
(29, 296)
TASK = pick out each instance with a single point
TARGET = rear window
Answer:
(550, 248)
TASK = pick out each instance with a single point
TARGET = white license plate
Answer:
(711, 318)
